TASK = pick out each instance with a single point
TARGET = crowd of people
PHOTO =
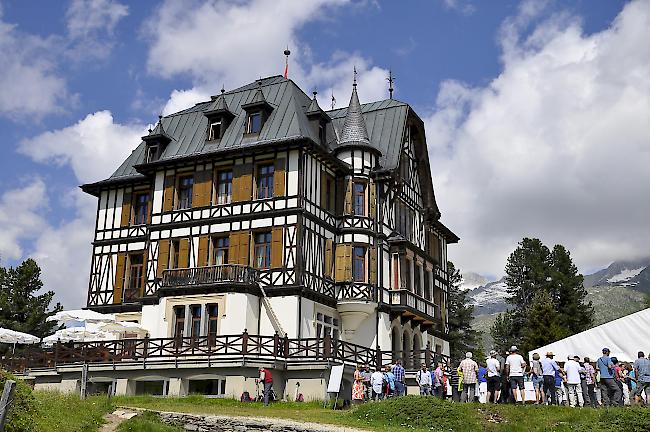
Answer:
(502, 379)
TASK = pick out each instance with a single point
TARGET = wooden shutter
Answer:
(202, 188)
(348, 198)
(163, 257)
(126, 209)
(168, 194)
(204, 243)
(119, 278)
(343, 262)
(373, 264)
(144, 273)
(278, 177)
(242, 182)
(183, 253)
(244, 247)
(277, 251)
(233, 248)
(372, 196)
(329, 248)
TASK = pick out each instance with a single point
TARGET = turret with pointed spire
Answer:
(354, 132)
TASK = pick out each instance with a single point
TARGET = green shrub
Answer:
(21, 413)
(416, 412)
(146, 422)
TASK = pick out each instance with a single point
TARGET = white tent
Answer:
(625, 337)
(78, 334)
(15, 337)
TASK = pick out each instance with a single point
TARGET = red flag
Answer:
(286, 69)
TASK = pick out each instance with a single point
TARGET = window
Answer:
(359, 197)
(220, 247)
(427, 285)
(136, 278)
(215, 130)
(359, 264)
(265, 181)
(329, 193)
(185, 184)
(321, 133)
(254, 122)
(417, 282)
(153, 152)
(179, 323)
(195, 329)
(263, 250)
(224, 187)
(175, 256)
(213, 317)
(141, 211)
(326, 325)
(405, 219)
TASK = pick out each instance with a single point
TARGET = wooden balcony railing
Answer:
(405, 298)
(356, 291)
(225, 347)
(227, 273)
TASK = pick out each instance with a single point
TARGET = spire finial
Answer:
(159, 118)
(390, 80)
(223, 88)
(287, 53)
(315, 92)
(333, 99)
(354, 82)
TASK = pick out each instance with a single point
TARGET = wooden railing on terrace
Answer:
(221, 347)
(227, 273)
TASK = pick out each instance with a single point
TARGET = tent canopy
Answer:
(15, 337)
(625, 337)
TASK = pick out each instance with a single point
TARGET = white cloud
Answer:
(29, 84)
(555, 147)
(93, 147)
(462, 6)
(21, 217)
(232, 43)
(90, 25)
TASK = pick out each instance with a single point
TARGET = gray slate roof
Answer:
(385, 122)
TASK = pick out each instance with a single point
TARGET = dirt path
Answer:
(114, 419)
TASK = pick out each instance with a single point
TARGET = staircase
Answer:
(275, 322)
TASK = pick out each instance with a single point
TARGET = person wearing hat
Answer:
(549, 367)
(493, 377)
(470, 378)
(515, 366)
(573, 382)
(610, 392)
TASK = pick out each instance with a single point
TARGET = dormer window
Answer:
(216, 129)
(254, 122)
(321, 133)
(153, 152)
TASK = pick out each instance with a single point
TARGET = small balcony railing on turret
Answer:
(210, 275)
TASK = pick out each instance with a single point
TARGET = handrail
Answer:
(230, 273)
(227, 347)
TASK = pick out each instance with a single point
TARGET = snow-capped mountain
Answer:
(634, 274)
(472, 281)
(490, 298)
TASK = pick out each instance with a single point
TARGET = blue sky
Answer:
(86, 77)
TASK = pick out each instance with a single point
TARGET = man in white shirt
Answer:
(377, 383)
(493, 377)
(423, 378)
(515, 366)
(572, 369)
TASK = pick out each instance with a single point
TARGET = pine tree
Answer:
(543, 324)
(527, 271)
(21, 308)
(502, 332)
(568, 292)
(462, 337)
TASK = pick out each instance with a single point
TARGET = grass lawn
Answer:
(415, 413)
(67, 413)
(146, 422)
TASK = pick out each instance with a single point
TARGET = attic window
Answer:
(215, 130)
(254, 122)
(321, 133)
(154, 151)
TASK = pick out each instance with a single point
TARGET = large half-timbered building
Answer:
(259, 223)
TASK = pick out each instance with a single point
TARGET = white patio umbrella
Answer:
(82, 315)
(13, 337)
(122, 327)
(78, 334)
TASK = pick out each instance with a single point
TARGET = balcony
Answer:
(413, 306)
(197, 279)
